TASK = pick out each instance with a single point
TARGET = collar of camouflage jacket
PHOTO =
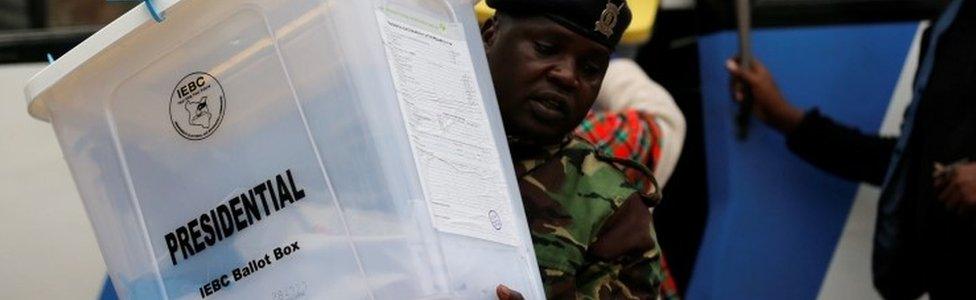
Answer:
(527, 158)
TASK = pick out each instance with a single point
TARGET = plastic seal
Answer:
(156, 14)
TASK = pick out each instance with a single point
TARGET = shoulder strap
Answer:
(651, 193)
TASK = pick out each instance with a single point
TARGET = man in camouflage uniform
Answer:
(591, 227)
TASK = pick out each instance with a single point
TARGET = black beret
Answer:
(603, 21)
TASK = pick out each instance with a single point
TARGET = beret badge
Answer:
(608, 19)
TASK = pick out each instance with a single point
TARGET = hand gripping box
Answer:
(286, 149)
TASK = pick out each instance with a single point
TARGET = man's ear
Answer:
(489, 31)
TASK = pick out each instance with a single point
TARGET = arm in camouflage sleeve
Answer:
(591, 229)
(621, 262)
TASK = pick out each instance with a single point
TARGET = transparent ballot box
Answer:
(287, 149)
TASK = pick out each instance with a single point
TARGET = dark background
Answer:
(30, 29)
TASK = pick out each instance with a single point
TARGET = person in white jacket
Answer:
(635, 118)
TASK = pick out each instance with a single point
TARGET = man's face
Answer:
(545, 75)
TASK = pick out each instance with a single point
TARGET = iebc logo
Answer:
(196, 106)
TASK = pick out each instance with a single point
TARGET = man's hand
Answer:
(505, 293)
(956, 186)
(768, 102)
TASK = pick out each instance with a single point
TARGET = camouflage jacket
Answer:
(591, 229)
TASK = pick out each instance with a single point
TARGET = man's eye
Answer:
(590, 70)
(545, 48)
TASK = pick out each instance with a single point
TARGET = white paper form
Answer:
(458, 161)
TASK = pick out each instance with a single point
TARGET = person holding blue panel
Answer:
(925, 235)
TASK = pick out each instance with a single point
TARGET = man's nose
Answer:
(563, 73)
